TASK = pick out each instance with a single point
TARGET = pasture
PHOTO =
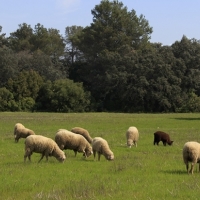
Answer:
(145, 172)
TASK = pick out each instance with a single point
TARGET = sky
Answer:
(170, 19)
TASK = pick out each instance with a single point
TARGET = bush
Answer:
(7, 102)
(63, 96)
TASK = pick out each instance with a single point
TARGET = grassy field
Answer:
(145, 172)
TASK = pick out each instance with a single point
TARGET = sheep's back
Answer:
(69, 139)
(83, 132)
(99, 144)
(191, 151)
(132, 133)
(39, 143)
(17, 127)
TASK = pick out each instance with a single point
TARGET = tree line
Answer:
(109, 66)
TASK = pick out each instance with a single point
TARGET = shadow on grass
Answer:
(186, 118)
(174, 171)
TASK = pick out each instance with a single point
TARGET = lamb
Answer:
(101, 146)
(83, 132)
(68, 140)
(162, 136)
(44, 145)
(21, 132)
(191, 153)
(132, 136)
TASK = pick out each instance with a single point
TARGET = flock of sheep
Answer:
(191, 150)
(79, 140)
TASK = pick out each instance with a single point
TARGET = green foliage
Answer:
(192, 104)
(188, 50)
(26, 104)
(26, 84)
(72, 53)
(3, 40)
(109, 46)
(136, 173)
(112, 59)
(44, 65)
(7, 102)
(8, 61)
(20, 39)
(63, 96)
(49, 41)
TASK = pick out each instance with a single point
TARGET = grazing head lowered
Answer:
(162, 136)
(68, 140)
(20, 131)
(132, 136)
(101, 146)
(191, 153)
(43, 145)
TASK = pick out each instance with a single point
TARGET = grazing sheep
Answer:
(83, 132)
(44, 145)
(132, 136)
(21, 132)
(191, 153)
(68, 140)
(162, 136)
(101, 146)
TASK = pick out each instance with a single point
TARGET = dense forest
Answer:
(110, 66)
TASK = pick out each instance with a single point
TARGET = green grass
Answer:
(145, 172)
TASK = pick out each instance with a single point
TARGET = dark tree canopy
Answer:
(109, 47)
(109, 65)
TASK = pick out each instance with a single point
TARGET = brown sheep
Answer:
(20, 131)
(83, 132)
(162, 136)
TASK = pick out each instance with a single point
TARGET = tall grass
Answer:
(145, 172)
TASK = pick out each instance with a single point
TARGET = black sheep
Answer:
(162, 136)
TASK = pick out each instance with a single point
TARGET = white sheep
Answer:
(44, 145)
(191, 153)
(20, 131)
(101, 146)
(68, 140)
(83, 132)
(132, 136)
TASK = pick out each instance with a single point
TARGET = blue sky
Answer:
(170, 19)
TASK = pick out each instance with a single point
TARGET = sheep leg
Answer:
(29, 157)
(94, 152)
(28, 154)
(46, 157)
(25, 158)
(16, 139)
(135, 143)
(99, 155)
(41, 157)
(192, 168)
(199, 167)
(187, 167)
(84, 154)
(75, 152)
(164, 142)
